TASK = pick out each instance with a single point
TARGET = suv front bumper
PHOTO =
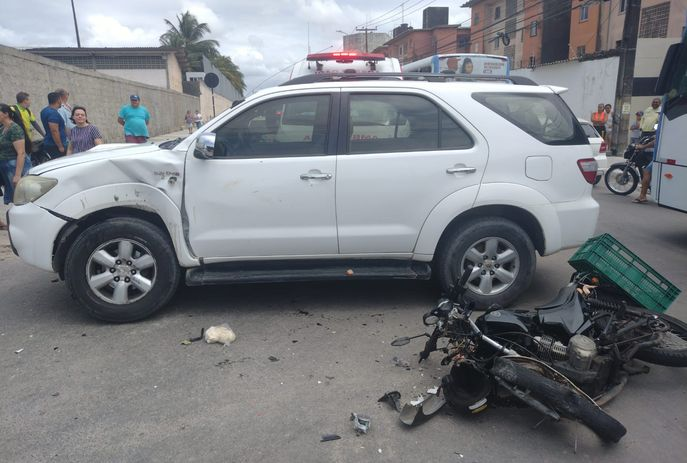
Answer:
(33, 231)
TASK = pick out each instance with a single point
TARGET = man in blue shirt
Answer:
(55, 142)
(135, 118)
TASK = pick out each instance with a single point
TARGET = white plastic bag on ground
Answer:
(222, 334)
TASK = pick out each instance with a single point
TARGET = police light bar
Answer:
(346, 55)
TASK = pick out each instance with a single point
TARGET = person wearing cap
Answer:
(635, 129)
(135, 118)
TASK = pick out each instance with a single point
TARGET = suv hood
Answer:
(98, 153)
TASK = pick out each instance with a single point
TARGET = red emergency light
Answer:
(346, 56)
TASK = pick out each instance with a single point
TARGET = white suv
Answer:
(326, 180)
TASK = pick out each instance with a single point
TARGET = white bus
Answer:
(467, 64)
(669, 175)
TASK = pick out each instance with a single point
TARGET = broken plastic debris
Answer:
(19, 351)
(433, 390)
(329, 437)
(272, 358)
(393, 398)
(420, 409)
(222, 334)
(361, 423)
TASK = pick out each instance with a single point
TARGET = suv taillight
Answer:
(602, 148)
(588, 168)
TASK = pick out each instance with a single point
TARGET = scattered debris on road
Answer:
(273, 358)
(329, 437)
(420, 409)
(221, 334)
(19, 351)
(361, 423)
(393, 398)
(188, 341)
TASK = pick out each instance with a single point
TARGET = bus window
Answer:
(676, 97)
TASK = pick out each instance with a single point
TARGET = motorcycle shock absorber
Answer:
(610, 305)
(549, 349)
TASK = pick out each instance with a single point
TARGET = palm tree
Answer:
(188, 34)
(231, 71)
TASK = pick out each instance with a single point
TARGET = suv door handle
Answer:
(461, 170)
(316, 176)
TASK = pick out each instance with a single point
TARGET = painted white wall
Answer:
(156, 77)
(588, 82)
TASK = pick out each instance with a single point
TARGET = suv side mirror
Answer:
(205, 146)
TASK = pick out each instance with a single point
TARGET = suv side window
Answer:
(544, 116)
(281, 127)
(395, 123)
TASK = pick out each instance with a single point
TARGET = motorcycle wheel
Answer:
(618, 183)
(563, 398)
(672, 351)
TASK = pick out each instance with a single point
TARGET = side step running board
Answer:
(308, 270)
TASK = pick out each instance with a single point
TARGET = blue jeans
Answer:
(7, 171)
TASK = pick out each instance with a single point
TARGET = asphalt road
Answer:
(84, 391)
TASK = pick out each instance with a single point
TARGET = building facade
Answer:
(161, 67)
(414, 44)
(357, 42)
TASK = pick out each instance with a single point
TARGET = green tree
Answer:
(231, 71)
(189, 34)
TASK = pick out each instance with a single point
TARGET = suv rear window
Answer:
(544, 116)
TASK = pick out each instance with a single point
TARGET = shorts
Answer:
(189, 125)
(601, 129)
(135, 138)
(7, 170)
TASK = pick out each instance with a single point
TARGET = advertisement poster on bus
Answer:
(475, 65)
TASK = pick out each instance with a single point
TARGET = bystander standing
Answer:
(188, 119)
(55, 142)
(198, 119)
(135, 118)
(65, 111)
(599, 120)
(27, 117)
(650, 118)
(608, 109)
(14, 144)
(635, 129)
(84, 134)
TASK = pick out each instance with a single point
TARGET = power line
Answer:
(381, 16)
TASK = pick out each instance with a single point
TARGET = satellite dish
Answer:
(211, 80)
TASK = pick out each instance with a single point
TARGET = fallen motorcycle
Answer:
(563, 359)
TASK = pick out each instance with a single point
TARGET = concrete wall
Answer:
(589, 82)
(174, 74)
(101, 94)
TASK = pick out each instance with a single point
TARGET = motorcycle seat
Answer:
(564, 296)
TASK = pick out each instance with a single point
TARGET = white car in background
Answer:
(598, 147)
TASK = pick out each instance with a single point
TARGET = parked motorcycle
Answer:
(564, 359)
(622, 178)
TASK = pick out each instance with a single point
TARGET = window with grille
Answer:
(497, 12)
(654, 22)
(533, 28)
(580, 51)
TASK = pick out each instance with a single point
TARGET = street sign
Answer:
(211, 80)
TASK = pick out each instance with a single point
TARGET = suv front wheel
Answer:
(122, 269)
(500, 254)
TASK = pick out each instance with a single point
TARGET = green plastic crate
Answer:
(612, 262)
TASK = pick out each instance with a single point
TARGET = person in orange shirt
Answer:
(599, 119)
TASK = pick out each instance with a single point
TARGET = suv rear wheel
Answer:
(500, 253)
(122, 269)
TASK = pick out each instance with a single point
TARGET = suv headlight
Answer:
(32, 187)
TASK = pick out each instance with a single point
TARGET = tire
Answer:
(128, 290)
(672, 352)
(564, 399)
(467, 246)
(619, 184)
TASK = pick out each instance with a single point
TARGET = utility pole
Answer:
(76, 26)
(626, 68)
(366, 30)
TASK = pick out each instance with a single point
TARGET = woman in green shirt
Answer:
(14, 163)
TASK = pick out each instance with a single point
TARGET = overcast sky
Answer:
(261, 36)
